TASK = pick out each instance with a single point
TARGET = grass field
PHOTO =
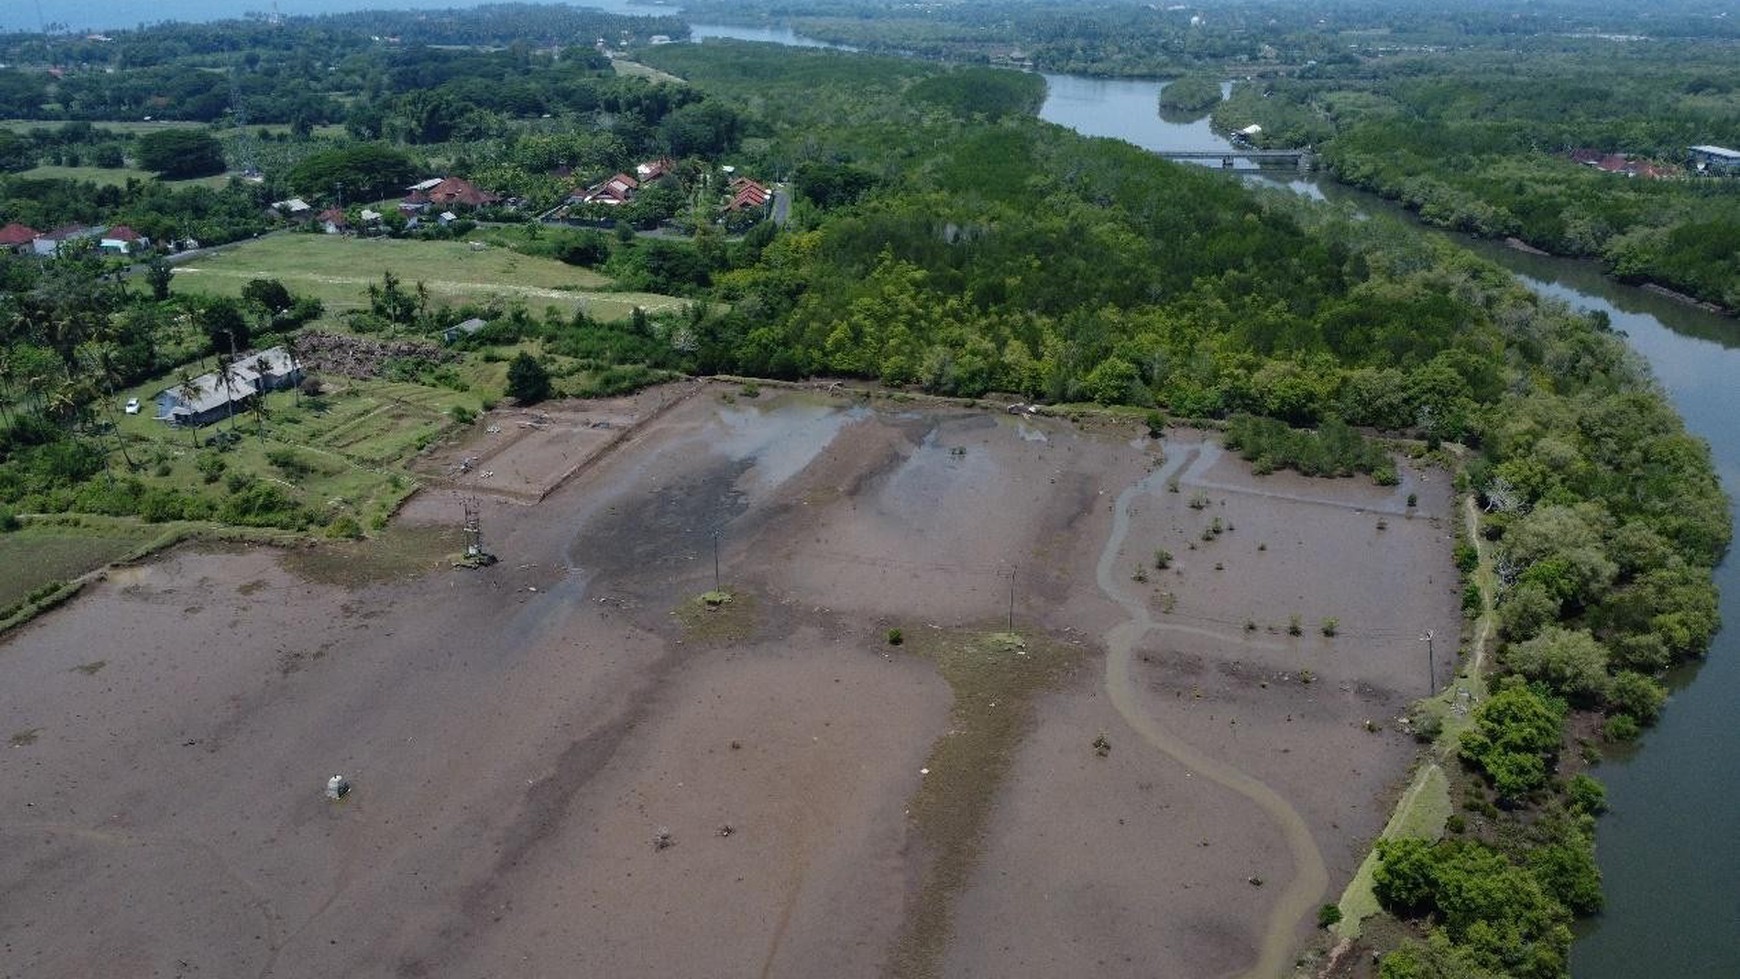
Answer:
(116, 176)
(338, 270)
(351, 444)
(130, 128)
(42, 553)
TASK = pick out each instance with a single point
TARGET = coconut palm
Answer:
(227, 376)
(262, 367)
(295, 367)
(109, 374)
(187, 386)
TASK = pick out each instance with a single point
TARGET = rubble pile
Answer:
(354, 356)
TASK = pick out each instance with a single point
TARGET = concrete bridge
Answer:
(1299, 158)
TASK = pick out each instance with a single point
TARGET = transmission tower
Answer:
(473, 528)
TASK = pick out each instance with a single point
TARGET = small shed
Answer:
(461, 330)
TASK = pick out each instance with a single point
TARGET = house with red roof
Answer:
(652, 170)
(618, 190)
(123, 240)
(447, 193)
(746, 194)
(333, 221)
(17, 237)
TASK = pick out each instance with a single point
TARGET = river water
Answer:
(1670, 847)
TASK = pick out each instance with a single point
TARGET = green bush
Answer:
(1636, 696)
(8, 520)
(210, 465)
(1586, 795)
(345, 527)
(1623, 727)
(1515, 732)
(289, 462)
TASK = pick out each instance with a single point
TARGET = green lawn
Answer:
(131, 128)
(115, 176)
(338, 271)
(42, 553)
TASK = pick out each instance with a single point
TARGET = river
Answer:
(1670, 847)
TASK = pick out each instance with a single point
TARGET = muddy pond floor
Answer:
(568, 764)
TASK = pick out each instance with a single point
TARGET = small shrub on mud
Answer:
(1622, 728)
(896, 637)
(1328, 915)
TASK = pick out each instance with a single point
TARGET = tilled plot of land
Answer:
(565, 765)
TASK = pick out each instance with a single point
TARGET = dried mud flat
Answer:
(564, 766)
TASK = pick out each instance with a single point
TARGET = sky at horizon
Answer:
(81, 16)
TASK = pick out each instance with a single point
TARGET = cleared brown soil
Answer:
(520, 737)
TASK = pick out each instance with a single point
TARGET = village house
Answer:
(461, 330)
(51, 242)
(746, 195)
(616, 191)
(17, 237)
(333, 221)
(1715, 160)
(253, 373)
(123, 240)
(445, 192)
(1620, 163)
(652, 170)
(293, 209)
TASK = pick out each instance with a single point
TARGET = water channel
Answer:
(1670, 847)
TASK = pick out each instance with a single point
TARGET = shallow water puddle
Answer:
(780, 439)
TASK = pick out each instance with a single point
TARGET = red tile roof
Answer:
(121, 232)
(16, 234)
(617, 190)
(453, 190)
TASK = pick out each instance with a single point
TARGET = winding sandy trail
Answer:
(1311, 876)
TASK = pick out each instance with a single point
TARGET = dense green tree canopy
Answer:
(180, 153)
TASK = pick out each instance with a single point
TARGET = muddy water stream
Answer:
(1310, 876)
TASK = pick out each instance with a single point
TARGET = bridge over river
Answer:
(1227, 157)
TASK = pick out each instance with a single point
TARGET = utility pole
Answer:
(715, 560)
(1012, 570)
(1431, 669)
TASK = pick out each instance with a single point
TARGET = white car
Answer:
(132, 406)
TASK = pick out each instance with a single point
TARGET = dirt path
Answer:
(1483, 576)
(1311, 876)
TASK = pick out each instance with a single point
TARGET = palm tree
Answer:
(262, 367)
(106, 370)
(227, 374)
(188, 388)
(295, 368)
(8, 373)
